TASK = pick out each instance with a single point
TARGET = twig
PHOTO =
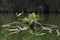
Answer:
(57, 33)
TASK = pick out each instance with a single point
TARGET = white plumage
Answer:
(19, 14)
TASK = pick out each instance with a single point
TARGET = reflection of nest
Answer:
(12, 31)
(43, 27)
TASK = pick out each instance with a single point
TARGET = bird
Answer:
(19, 14)
(22, 28)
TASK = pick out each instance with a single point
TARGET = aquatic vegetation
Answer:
(31, 17)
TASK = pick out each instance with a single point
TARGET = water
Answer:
(24, 35)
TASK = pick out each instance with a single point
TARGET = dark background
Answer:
(28, 6)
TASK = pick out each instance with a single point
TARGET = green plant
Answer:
(31, 17)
